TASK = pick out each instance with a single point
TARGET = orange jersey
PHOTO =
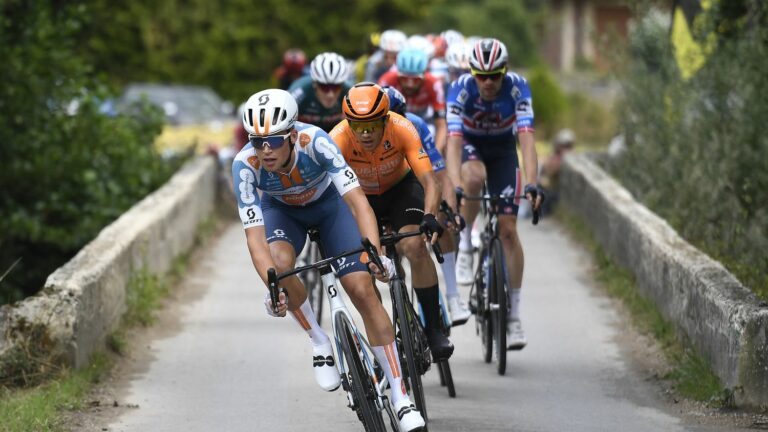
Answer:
(399, 151)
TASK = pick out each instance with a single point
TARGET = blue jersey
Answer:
(318, 164)
(427, 141)
(497, 121)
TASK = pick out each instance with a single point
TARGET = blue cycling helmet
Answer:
(396, 100)
(412, 61)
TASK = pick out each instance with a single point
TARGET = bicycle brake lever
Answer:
(438, 252)
(372, 254)
(274, 292)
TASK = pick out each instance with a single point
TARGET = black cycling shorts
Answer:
(400, 206)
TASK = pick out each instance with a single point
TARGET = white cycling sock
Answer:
(465, 242)
(514, 304)
(449, 274)
(306, 319)
(387, 357)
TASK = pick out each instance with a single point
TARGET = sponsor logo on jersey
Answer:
(254, 162)
(455, 109)
(516, 92)
(304, 139)
(387, 145)
(300, 198)
(523, 106)
(462, 97)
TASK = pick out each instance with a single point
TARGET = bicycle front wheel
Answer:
(483, 316)
(498, 295)
(409, 327)
(360, 382)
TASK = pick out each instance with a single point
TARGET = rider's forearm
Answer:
(432, 192)
(441, 135)
(363, 214)
(453, 158)
(530, 159)
(259, 251)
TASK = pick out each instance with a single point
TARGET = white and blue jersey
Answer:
(497, 121)
(427, 141)
(318, 164)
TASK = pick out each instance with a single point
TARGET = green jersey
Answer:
(311, 110)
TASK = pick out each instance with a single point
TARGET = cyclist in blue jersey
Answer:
(489, 111)
(457, 309)
(305, 182)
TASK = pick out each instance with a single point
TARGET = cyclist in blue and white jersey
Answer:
(306, 182)
(456, 308)
(489, 111)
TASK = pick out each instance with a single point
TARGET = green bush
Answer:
(66, 172)
(549, 101)
(697, 149)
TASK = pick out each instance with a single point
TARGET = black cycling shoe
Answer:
(441, 347)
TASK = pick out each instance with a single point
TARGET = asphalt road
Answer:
(217, 362)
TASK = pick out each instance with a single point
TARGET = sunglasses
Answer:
(370, 126)
(328, 88)
(410, 80)
(273, 141)
(490, 75)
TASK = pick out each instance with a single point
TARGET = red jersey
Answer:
(430, 95)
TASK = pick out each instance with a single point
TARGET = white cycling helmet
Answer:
(328, 68)
(270, 112)
(457, 55)
(421, 43)
(452, 37)
(392, 40)
(488, 55)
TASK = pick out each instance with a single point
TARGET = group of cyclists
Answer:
(347, 158)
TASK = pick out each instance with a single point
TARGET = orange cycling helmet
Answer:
(365, 101)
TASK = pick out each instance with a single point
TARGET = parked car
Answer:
(196, 116)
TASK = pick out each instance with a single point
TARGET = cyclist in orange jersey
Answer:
(385, 151)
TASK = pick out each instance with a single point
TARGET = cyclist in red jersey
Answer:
(421, 89)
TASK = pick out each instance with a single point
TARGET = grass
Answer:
(691, 375)
(37, 405)
(38, 408)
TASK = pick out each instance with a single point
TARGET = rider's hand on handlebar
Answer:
(282, 306)
(534, 194)
(389, 269)
(431, 227)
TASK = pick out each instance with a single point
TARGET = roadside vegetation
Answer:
(696, 142)
(33, 399)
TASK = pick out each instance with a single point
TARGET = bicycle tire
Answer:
(483, 315)
(446, 377)
(408, 338)
(499, 313)
(360, 382)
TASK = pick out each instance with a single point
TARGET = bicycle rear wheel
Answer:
(360, 383)
(499, 304)
(411, 336)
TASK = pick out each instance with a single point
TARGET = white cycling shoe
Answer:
(326, 374)
(408, 416)
(458, 310)
(465, 271)
(515, 335)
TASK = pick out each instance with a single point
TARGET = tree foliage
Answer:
(65, 174)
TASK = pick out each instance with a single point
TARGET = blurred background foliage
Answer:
(69, 167)
(696, 148)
